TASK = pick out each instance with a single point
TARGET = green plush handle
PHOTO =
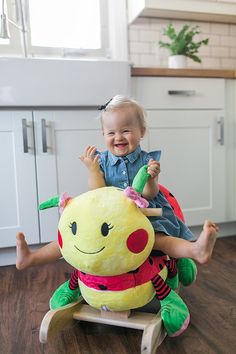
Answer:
(50, 203)
(140, 179)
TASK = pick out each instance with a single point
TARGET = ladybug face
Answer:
(102, 232)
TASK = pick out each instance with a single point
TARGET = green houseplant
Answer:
(182, 43)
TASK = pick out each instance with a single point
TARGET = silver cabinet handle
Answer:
(181, 92)
(44, 135)
(25, 136)
(220, 130)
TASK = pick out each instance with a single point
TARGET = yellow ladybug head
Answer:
(103, 232)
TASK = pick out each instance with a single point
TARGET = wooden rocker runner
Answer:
(57, 320)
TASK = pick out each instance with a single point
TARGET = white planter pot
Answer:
(177, 61)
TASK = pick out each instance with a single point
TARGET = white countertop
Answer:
(61, 82)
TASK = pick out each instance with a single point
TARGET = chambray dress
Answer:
(120, 172)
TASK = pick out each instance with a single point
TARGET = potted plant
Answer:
(182, 45)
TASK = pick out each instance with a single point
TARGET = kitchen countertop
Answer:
(215, 73)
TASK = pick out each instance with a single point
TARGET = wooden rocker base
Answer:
(56, 320)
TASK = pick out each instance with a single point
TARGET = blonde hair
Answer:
(118, 102)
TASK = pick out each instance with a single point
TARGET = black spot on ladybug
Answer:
(161, 266)
(83, 273)
(102, 287)
(150, 260)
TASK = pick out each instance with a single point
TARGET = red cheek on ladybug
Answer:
(137, 241)
(60, 239)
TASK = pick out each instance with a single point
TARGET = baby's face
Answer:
(122, 131)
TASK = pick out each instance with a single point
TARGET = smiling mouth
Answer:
(90, 252)
(120, 145)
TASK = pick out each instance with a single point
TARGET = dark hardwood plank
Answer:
(24, 300)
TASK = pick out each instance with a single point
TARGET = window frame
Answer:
(15, 45)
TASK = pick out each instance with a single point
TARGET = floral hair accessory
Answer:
(131, 193)
(64, 200)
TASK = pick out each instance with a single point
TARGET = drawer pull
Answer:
(220, 130)
(44, 135)
(181, 92)
(25, 136)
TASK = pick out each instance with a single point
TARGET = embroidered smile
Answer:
(90, 252)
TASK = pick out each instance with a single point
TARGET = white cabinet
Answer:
(193, 163)
(18, 191)
(186, 122)
(198, 10)
(59, 168)
(40, 158)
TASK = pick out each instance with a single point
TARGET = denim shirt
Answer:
(120, 172)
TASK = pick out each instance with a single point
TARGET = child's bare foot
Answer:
(23, 254)
(205, 242)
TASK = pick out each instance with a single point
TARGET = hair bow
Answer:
(104, 106)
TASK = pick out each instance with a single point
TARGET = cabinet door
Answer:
(193, 160)
(61, 137)
(18, 207)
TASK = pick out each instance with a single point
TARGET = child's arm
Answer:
(95, 175)
(151, 188)
(26, 258)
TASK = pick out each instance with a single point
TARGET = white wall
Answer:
(145, 33)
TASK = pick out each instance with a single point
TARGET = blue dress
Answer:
(120, 172)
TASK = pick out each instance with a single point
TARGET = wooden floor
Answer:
(212, 302)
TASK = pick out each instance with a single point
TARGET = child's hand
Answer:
(153, 168)
(90, 159)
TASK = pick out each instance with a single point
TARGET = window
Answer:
(10, 46)
(2, 6)
(58, 27)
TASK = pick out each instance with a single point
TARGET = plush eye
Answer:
(73, 227)
(105, 228)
